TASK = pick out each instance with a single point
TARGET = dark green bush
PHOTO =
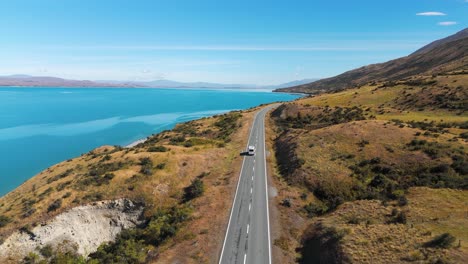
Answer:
(146, 166)
(47, 251)
(131, 245)
(313, 209)
(4, 220)
(442, 241)
(188, 144)
(59, 176)
(398, 217)
(402, 200)
(54, 205)
(161, 166)
(157, 149)
(177, 140)
(194, 190)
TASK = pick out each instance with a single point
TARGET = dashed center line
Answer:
(248, 226)
(251, 189)
(245, 257)
(250, 205)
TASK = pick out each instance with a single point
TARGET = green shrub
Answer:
(313, 209)
(161, 166)
(188, 144)
(4, 220)
(45, 193)
(442, 241)
(54, 205)
(132, 245)
(47, 251)
(194, 190)
(60, 176)
(399, 217)
(177, 140)
(157, 149)
(93, 197)
(146, 166)
(123, 250)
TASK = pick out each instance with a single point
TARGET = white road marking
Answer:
(251, 189)
(252, 177)
(250, 205)
(253, 169)
(245, 257)
(248, 228)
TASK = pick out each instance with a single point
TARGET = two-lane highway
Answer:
(247, 237)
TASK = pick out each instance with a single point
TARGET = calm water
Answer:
(42, 126)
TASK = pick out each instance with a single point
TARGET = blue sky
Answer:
(258, 42)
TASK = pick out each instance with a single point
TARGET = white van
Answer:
(251, 150)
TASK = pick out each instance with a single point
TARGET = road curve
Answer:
(247, 239)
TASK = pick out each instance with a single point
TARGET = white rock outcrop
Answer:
(86, 226)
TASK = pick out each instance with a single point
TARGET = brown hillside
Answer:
(375, 174)
(442, 56)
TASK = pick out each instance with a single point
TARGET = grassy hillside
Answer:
(441, 56)
(185, 178)
(375, 174)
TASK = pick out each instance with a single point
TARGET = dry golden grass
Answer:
(200, 239)
(430, 212)
(388, 103)
(328, 151)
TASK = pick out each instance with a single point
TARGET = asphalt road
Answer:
(247, 239)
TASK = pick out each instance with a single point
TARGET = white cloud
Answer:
(447, 23)
(431, 14)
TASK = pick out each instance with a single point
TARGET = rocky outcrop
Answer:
(86, 227)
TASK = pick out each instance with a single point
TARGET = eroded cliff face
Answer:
(84, 227)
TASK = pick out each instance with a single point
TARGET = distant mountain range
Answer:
(41, 81)
(444, 55)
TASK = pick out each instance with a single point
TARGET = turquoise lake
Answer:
(43, 126)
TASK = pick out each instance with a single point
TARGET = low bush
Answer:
(59, 176)
(161, 166)
(4, 220)
(54, 205)
(131, 245)
(442, 241)
(177, 140)
(194, 190)
(313, 209)
(157, 149)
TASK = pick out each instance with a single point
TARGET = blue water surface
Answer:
(43, 126)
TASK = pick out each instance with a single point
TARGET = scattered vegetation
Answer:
(227, 124)
(131, 246)
(4, 220)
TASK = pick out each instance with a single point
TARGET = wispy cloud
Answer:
(431, 14)
(447, 23)
(350, 47)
